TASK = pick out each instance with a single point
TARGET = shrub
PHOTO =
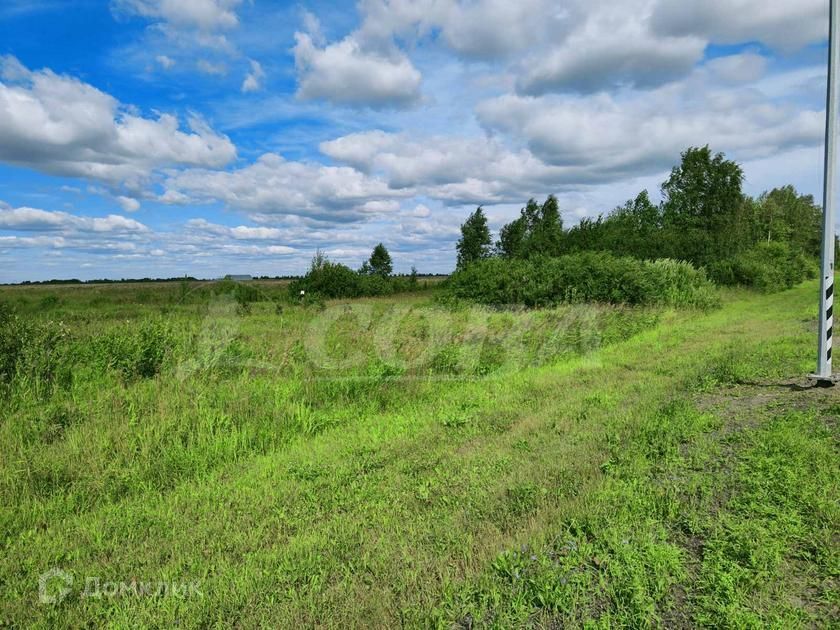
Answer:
(329, 280)
(246, 294)
(49, 301)
(136, 351)
(679, 283)
(47, 355)
(583, 277)
(374, 285)
(37, 351)
(767, 267)
(12, 336)
(404, 284)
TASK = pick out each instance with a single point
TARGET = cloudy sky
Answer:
(203, 137)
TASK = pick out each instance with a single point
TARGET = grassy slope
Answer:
(619, 488)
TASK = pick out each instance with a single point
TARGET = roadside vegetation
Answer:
(704, 220)
(606, 426)
(585, 277)
(704, 230)
(404, 461)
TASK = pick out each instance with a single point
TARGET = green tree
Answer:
(640, 214)
(546, 230)
(327, 279)
(704, 218)
(634, 229)
(786, 216)
(475, 242)
(511, 242)
(537, 231)
(588, 235)
(702, 201)
(380, 262)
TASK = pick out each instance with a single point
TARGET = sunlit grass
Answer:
(396, 461)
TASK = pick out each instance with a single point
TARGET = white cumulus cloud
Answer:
(62, 126)
(275, 186)
(783, 24)
(128, 204)
(202, 14)
(476, 29)
(603, 137)
(34, 219)
(347, 73)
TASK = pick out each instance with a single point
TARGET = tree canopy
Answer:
(702, 207)
(380, 263)
(475, 242)
(704, 218)
(537, 232)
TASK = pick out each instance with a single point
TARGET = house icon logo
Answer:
(53, 586)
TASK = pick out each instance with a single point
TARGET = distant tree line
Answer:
(704, 218)
(102, 281)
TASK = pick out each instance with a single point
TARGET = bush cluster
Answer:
(331, 280)
(583, 277)
(11, 341)
(36, 351)
(767, 267)
(136, 351)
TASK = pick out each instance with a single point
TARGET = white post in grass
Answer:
(823, 373)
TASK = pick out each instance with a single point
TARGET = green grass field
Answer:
(185, 459)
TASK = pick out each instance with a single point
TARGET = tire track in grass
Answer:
(716, 518)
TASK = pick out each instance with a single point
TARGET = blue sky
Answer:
(203, 137)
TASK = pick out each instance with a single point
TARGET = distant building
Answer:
(238, 277)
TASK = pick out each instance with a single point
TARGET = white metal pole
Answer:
(829, 198)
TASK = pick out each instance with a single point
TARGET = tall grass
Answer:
(97, 407)
(398, 461)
